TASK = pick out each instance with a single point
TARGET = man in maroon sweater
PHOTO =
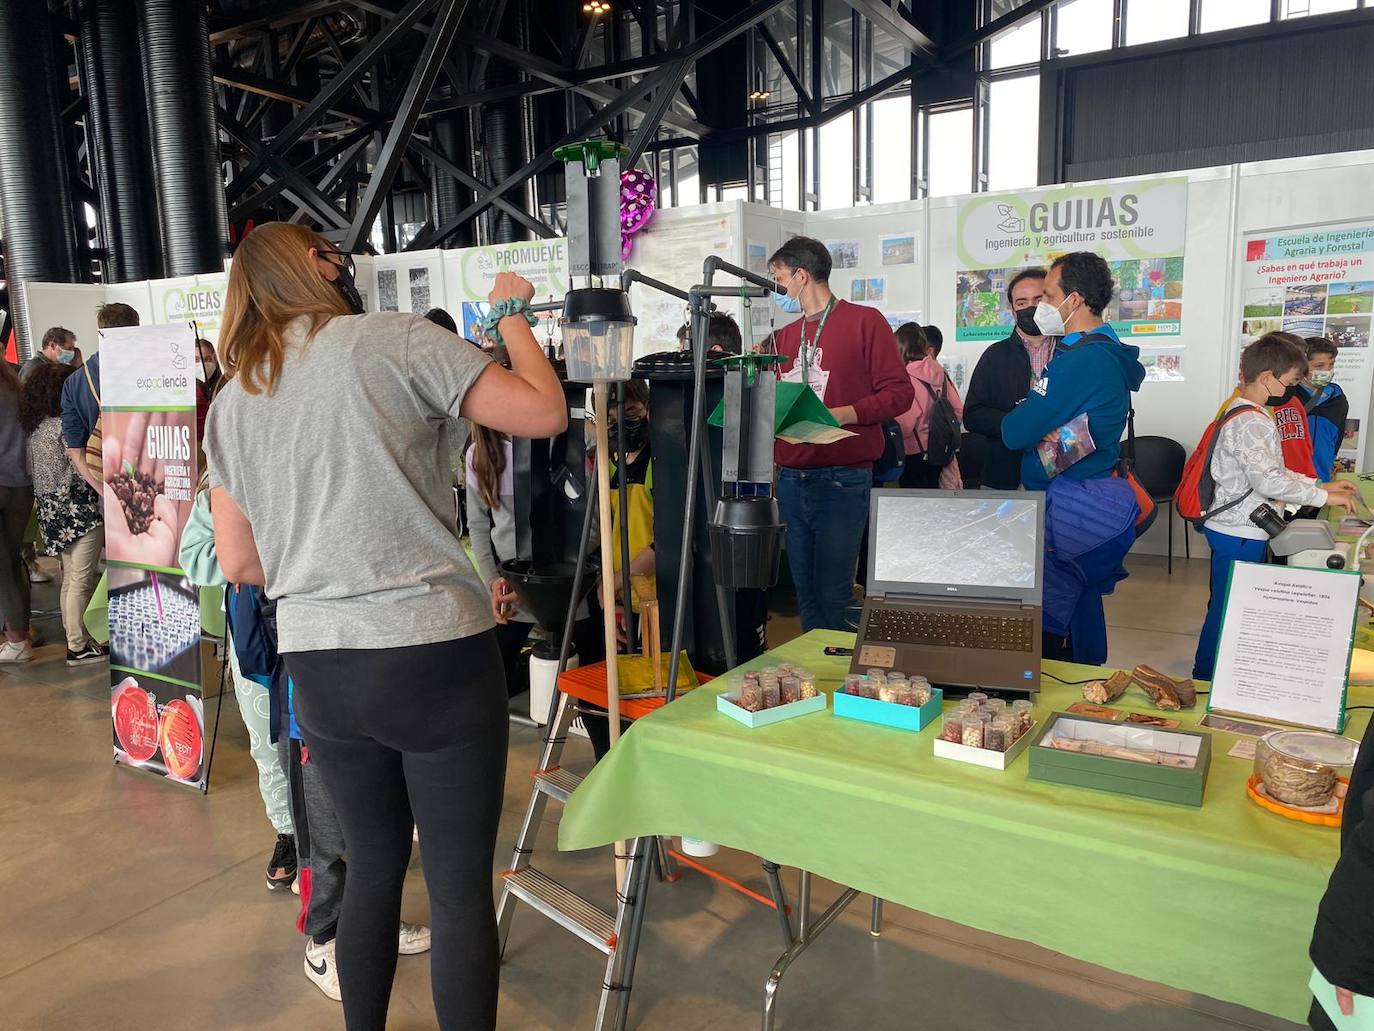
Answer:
(847, 354)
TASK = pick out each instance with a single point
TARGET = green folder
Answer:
(799, 416)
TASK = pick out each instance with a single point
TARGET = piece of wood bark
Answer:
(1104, 692)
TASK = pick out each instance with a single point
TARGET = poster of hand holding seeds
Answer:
(150, 472)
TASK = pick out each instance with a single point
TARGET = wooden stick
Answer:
(603, 500)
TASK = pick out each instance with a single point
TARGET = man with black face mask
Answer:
(1003, 377)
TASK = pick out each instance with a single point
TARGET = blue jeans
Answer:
(1226, 550)
(826, 511)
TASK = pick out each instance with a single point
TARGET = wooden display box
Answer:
(1181, 785)
(890, 714)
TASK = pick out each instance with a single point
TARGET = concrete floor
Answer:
(129, 902)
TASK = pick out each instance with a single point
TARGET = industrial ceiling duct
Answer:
(35, 191)
(117, 138)
(181, 105)
(452, 137)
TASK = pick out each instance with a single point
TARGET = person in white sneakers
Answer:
(324, 972)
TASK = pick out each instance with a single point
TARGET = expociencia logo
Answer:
(162, 383)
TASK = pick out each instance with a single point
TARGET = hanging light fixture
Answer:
(760, 92)
(596, 7)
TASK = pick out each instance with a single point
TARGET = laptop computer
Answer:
(954, 587)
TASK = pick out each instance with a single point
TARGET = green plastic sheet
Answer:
(1217, 900)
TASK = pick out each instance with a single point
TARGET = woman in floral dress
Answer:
(69, 511)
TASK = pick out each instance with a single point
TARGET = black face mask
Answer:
(348, 290)
(636, 433)
(1025, 322)
(1279, 400)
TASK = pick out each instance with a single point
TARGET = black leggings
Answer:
(400, 734)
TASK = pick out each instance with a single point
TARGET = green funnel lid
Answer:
(591, 152)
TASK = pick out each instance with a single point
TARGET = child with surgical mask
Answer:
(1326, 405)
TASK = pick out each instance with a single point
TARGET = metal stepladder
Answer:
(615, 935)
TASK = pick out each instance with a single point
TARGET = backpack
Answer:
(1196, 492)
(1125, 469)
(942, 428)
(94, 443)
(888, 468)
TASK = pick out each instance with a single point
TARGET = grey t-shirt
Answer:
(343, 472)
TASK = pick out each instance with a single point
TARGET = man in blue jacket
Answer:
(1091, 527)
(1092, 372)
(80, 396)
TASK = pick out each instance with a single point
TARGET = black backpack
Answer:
(942, 428)
(888, 469)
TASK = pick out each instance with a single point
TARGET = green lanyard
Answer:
(815, 343)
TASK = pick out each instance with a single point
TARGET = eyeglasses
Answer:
(345, 260)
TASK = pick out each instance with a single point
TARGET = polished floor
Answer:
(127, 902)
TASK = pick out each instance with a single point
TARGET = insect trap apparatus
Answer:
(746, 527)
(552, 574)
(598, 327)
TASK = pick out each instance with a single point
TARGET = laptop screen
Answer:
(957, 543)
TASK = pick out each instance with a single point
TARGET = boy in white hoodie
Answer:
(1249, 471)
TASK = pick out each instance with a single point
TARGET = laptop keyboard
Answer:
(951, 629)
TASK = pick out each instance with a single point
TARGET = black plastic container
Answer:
(746, 542)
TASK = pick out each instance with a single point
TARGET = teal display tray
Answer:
(890, 714)
(767, 717)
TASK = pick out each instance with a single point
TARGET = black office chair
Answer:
(1159, 465)
(973, 450)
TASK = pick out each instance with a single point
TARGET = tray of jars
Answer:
(889, 699)
(986, 732)
(760, 698)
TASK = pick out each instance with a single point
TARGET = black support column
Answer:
(181, 105)
(35, 186)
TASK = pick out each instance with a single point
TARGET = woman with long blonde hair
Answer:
(330, 487)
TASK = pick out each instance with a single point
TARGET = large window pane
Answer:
(1013, 132)
(1149, 21)
(892, 150)
(1018, 45)
(791, 155)
(688, 182)
(1232, 14)
(837, 163)
(951, 152)
(1083, 26)
(1302, 8)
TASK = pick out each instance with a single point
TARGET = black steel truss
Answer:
(326, 106)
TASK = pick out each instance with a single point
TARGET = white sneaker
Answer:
(321, 968)
(414, 939)
(21, 652)
(296, 884)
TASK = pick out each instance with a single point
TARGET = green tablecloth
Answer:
(1217, 900)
